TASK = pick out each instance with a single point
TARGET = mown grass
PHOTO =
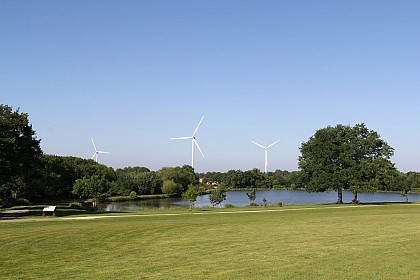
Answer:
(376, 242)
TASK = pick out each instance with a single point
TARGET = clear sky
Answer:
(132, 74)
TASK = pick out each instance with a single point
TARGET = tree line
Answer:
(252, 179)
(27, 174)
(334, 158)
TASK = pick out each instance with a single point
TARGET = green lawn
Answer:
(375, 242)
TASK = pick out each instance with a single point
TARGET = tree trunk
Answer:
(355, 201)
(340, 196)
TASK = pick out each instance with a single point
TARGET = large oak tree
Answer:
(346, 158)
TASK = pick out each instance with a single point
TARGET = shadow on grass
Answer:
(365, 203)
(382, 203)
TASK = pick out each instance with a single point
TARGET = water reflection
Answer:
(239, 198)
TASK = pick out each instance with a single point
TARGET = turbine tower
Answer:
(95, 155)
(193, 142)
(266, 153)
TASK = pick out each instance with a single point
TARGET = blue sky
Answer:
(132, 74)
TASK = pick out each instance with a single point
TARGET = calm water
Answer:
(239, 198)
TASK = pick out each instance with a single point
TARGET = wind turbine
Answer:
(266, 153)
(193, 142)
(95, 155)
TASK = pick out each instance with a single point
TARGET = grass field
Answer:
(375, 242)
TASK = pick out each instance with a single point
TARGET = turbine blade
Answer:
(93, 144)
(196, 143)
(93, 156)
(272, 144)
(258, 144)
(195, 131)
(100, 152)
(181, 138)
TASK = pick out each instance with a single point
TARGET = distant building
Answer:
(209, 183)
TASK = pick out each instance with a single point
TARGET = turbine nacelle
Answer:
(266, 152)
(95, 155)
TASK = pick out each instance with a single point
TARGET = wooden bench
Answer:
(49, 209)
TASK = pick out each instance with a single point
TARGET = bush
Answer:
(171, 188)
(133, 195)
(278, 204)
(253, 204)
(119, 198)
(22, 202)
(75, 205)
(264, 202)
(229, 205)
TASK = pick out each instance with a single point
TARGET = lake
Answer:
(239, 198)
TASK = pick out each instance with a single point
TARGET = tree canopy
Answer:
(217, 196)
(344, 157)
(138, 179)
(93, 186)
(183, 176)
(191, 195)
(172, 188)
(20, 155)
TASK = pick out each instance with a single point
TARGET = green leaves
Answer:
(20, 155)
(345, 157)
(191, 194)
(217, 196)
(170, 187)
(94, 186)
(245, 179)
(252, 195)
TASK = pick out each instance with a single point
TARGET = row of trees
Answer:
(238, 179)
(85, 178)
(169, 180)
(60, 177)
(334, 158)
(26, 173)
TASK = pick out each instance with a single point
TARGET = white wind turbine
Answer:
(266, 153)
(193, 142)
(95, 155)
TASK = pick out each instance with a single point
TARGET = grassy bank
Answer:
(323, 242)
(137, 197)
